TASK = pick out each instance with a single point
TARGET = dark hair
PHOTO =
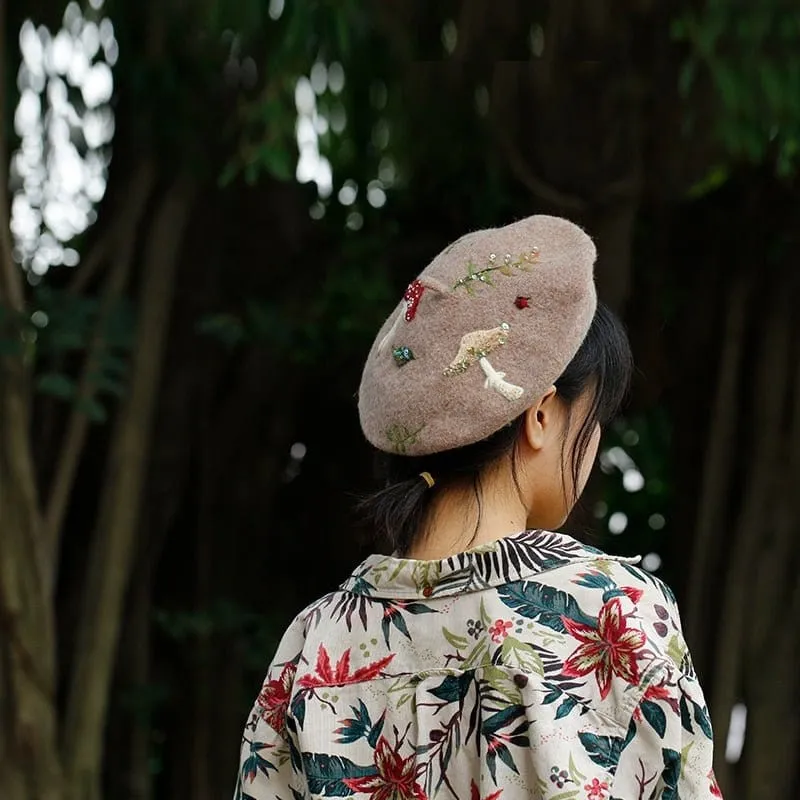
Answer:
(602, 365)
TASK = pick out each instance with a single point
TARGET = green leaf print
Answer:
(566, 706)
(515, 653)
(655, 716)
(546, 604)
(453, 688)
(702, 719)
(603, 750)
(459, 642)
(676, 649)
(326, 774)
(671, 774)
(686, 718)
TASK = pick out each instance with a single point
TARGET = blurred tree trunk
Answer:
(113, 547)
(742, 596)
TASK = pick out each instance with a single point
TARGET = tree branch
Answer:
(112, 547)
(719, 455)
(11, 286)
(123, 241)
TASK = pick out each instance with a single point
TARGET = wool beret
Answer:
(479, 335)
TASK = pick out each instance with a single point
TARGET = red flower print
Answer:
(396, 778)
(610, 649)
(597, 789)
(412, 297)
(657, 692)
(340, 675)
(715, 790)
(475, 793)
(499, 630)
(274, 698)
(635, 595)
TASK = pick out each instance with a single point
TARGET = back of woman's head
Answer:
(598, 375)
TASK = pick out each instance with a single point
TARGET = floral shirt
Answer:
(533, 667)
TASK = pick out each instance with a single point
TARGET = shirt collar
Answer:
(509, 559)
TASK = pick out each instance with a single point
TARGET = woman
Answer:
(488, 657)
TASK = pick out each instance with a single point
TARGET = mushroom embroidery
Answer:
(412, 297)
(476, 346)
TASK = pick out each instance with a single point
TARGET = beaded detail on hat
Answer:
(506, 267)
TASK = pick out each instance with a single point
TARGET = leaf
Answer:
(453, 688)
(671, 774)
(702, 719)
(566, 706)
(325, 774)
(505, 756)
(299, 709)
(501, 719)
(686, 719)
(459, 642)
(522, 655)
(655, 715)
(375, 731)
(594, 580)
(676, 649)
(543, 603)
(92, 408)
(603, 750)
(56, 384)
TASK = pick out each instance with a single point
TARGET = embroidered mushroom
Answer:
(476, 346)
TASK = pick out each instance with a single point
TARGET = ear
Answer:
(539, 419)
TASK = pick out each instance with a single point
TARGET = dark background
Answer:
(179, 443)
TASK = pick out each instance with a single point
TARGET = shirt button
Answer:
(427, 591)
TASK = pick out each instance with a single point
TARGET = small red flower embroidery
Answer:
(274, 698)
(608, 650)
(597, 789)
(522, 302)
(340, 675)
(396, 777)
(475, 793)
(715, 790)
(499, 630)
(412, 297)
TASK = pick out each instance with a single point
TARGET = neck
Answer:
(457, 521)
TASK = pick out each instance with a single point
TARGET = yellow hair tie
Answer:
(428, 478)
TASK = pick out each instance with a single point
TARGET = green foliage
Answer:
(751, 55)
(64, 326)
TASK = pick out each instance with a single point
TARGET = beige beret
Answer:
(483, 332)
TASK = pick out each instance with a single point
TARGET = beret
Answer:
(479, 336)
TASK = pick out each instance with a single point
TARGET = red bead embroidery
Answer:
(412, 297)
